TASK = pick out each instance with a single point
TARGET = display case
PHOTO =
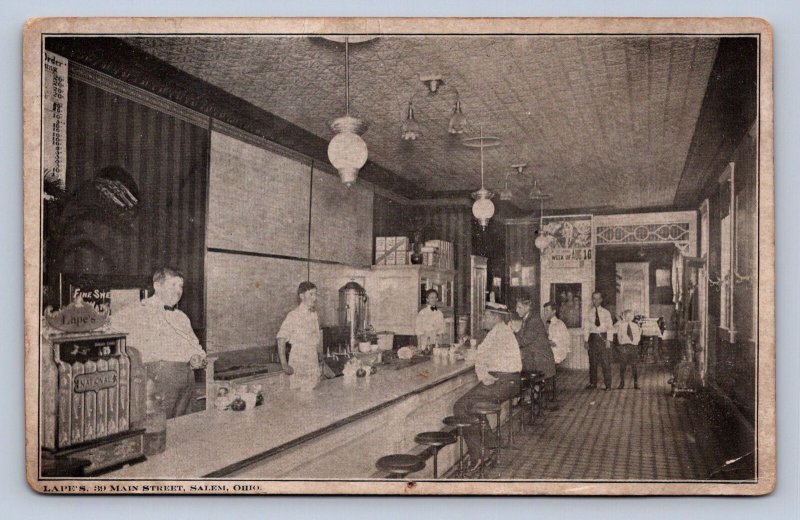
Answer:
(397, 293)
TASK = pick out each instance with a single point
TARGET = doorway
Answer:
(633, 287)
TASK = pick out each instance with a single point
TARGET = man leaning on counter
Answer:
(498, 364)
(163, 335)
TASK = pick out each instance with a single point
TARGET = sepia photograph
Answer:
(399, 256)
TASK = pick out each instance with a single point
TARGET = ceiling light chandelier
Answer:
(483, 207)
(347, 151)
(543, 240)
(457, 124)
(506, 193)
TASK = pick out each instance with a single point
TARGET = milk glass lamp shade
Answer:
(483, 207)
(347, 151)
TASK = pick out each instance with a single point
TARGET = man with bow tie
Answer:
(163, 335)
(429, 325)
(598, 331)
(628, 336)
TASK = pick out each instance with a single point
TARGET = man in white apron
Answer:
(301, 330)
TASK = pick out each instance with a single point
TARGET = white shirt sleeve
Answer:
(482, 358)
(637, 333)
(607, 323)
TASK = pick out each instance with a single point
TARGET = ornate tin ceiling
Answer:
(583, 112)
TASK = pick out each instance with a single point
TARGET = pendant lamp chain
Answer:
(347, 75)
(481, 156)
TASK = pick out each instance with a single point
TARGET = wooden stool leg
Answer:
(483, 446)
(498, 436)
(460, 452)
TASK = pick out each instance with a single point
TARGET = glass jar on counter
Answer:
(155, 422)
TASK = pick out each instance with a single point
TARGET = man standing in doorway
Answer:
(598, 331)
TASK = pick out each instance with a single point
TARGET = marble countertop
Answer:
(213, 443)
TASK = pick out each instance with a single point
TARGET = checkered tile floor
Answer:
(615, 435)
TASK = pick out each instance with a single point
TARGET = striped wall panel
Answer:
(168, 158)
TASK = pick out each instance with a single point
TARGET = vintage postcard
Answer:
(399, 256)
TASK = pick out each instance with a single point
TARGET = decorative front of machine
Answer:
(93, 395)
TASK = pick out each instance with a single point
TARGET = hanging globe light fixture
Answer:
(347, 151)
(483, 207)
(543, 240)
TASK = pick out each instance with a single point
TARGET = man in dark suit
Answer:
(537, 356)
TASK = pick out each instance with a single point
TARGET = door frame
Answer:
(645, 267)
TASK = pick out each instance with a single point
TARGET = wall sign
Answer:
(78, 316)
(54, 118)
(570, 241)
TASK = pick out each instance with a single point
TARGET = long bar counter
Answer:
(338, 433)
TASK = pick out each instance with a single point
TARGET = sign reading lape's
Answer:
(78, 316)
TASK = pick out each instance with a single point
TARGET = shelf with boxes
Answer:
(392, 251)
(398, 250)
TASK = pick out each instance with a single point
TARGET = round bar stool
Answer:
(400, 465)
(436, 440)
(482, 410)
(461, 422)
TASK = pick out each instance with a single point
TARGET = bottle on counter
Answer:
(155, 422)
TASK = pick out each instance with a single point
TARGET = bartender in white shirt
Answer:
(429, 325)
(598, 331)
(557, 332)
(163, 335)
(301, 330)
(498, 363)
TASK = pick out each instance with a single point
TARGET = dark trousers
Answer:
(506, 386)
(173, 382)
(628, 355)
(599, 354)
